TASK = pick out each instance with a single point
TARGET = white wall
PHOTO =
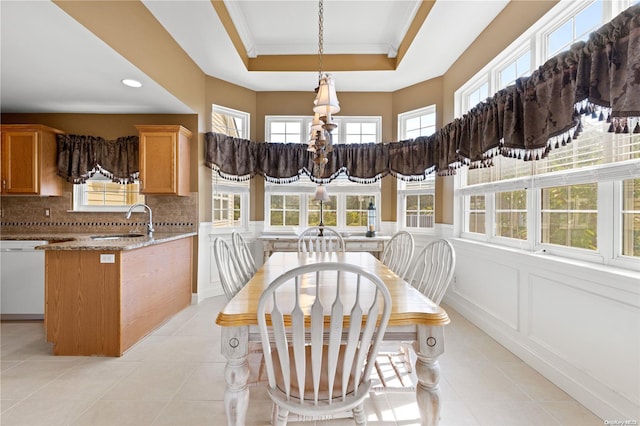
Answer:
(576, 323)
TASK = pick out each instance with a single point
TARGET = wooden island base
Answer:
(103, 302)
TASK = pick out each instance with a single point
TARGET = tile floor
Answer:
(175, 376)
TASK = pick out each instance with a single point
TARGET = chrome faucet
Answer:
(150, 224)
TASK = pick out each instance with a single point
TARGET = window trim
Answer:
(403, 117)
(401, 190)
(228, 187)
(78, 194)
(306, 194)
(340, 188)
(341, 121)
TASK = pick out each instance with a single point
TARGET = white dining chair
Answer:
(431, 273)
(398, 253)
(433, 268)
(318, 239)
(318, 362)
(243, 255)
(231, 276)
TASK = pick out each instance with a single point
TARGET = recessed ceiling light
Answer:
(131, 82)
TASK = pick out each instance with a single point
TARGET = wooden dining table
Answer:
(414, 318)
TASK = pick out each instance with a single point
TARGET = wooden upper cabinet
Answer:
(164, 159)
(29, 160)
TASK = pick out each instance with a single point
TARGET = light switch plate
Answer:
(107, 258)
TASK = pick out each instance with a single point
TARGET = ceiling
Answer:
(51, 63)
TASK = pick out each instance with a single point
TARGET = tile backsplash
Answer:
(26, 214)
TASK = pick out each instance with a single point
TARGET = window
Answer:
(229, 198)
(99, 193)
(416, 200)
(477, 95)
(475, 213)
(286, 131)
(296, 129)
(519, 67)
(582, 200)
(291, 207)
(419, 122)
(569, 216)
(361, 132)
(511, 214)
(285, 210)
(229, 122)
(357, 207)
(329, 212)
(575, 28)
(631, 217)
(571, 190)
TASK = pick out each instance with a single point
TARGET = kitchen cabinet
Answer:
(29, 160)
(102, 302)
(164, 159)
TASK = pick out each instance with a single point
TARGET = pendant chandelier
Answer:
(324, 105)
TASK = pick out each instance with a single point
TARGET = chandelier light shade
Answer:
(326, 102)
(321, 194)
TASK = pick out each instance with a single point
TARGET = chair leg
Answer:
(279, 415)
(406, 352)
(359, 416)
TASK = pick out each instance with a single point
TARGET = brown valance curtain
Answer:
(80, 157)
(526, 120)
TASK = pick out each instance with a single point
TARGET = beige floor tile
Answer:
(456, 413)
(20, 328)
(205, 383)
(121, 413)
(201, 325)
(378, 409)
(22, 380)
(175, 376)
(6, 365)
(89, 380)
(151, 381)
(23, 347)
(511, 414)
(404, 407)
(483, 382)
(191, 413)
(41, 412)
(5, 404)
(571, 414)
(532, 383)
(259, 412)
(178, 321)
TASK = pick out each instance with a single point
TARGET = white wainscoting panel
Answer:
(585, 329)
(489, 284)
(578, 324)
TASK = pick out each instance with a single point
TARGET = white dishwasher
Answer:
(22, 280)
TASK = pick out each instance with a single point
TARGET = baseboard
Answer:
(205, 294)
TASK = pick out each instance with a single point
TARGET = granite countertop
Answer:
(84, 241)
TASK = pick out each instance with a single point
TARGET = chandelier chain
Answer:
(320, 37)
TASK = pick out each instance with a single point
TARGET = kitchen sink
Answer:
(116, 236)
